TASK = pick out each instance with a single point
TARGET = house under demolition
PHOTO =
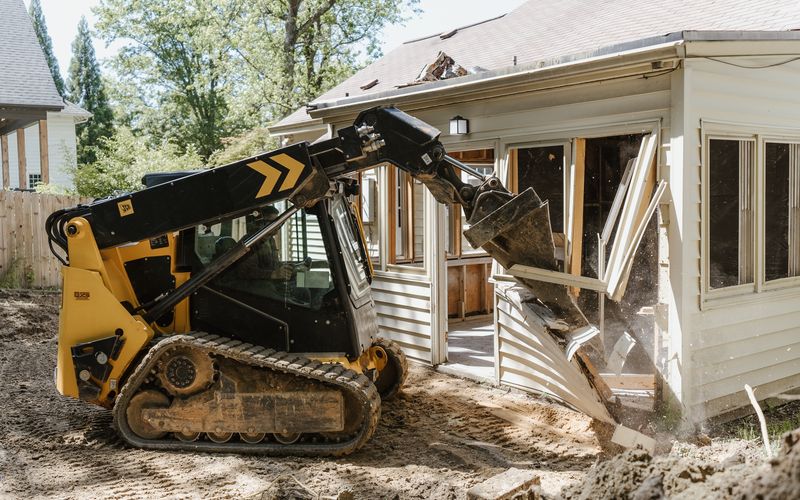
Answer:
(671, 166)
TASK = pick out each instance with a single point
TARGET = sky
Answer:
(438, 15)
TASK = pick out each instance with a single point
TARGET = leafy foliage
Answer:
(86, 89)
(123, 159)
(176, 64)
(248, 144)
(294, 50)
(195, 72)
(40, 27)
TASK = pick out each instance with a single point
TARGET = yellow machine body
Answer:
(95, 284)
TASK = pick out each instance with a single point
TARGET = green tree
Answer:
(297, 49)
(123, 159)
(177, 65)
(40, 27)
(250, 143)
(85, 88)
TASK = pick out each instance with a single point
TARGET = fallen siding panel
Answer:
(531, 359)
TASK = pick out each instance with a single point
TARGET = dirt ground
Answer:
(436, 440)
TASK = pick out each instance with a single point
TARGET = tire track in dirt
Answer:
(434, 440)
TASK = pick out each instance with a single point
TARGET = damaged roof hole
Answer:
(442, 68)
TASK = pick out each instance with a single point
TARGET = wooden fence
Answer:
(25, 258)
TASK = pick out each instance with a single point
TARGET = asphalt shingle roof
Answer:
(542, 29)
(25, 79)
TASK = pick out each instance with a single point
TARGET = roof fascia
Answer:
(513, 80)
(301, 127)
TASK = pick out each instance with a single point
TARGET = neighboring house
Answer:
(561, 96)
(37, 127)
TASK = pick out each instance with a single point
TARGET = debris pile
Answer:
(782, 478)
(635, 474)
(442, 68)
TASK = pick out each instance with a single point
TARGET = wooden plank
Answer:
(44, 153)
(454, 287)
(4, 153)
(513, 171)
(473, 289)
(576, 250)
(21, 161)
(488, 289)
(630, 381)
(23, 241)
(557, 277)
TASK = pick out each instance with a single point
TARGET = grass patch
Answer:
(780, 420)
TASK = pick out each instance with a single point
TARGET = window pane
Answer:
(418, 224)
(730, 213)
(543, 170)
(776, 216)
(289, 267)
(370, 212)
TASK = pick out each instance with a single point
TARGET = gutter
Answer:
(298, 127)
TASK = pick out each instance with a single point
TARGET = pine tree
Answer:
(85, 88)
(40, 27)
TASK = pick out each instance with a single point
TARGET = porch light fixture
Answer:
(459, 125)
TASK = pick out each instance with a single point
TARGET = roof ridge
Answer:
(434, 35)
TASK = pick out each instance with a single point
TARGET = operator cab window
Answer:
(289, 266)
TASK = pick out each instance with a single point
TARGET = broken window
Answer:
(782, 210)
(598, 187)
(730, 212)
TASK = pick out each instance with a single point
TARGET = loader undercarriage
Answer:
(208, 393)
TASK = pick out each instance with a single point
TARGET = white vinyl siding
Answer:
(404, 314)
(61, 145)
(741, 339)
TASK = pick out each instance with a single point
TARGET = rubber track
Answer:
(397, 353)
(328, 373)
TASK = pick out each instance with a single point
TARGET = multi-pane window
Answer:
(744, 190)
(781, 210)
(34, 180)
(731, 220)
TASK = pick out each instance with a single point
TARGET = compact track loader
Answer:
(230, 309)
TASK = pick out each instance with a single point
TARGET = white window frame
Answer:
(711, 294)
(794, 236)
(760, 288)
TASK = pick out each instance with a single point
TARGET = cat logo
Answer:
(81, 295)
(125, 208)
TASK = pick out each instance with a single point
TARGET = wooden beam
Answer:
(4, 151)
(23, 167)
(576, 252)
(513, 171)
(630, 381)
(557, 277)
(44, 152)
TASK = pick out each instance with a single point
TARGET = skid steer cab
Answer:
(230, 309)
